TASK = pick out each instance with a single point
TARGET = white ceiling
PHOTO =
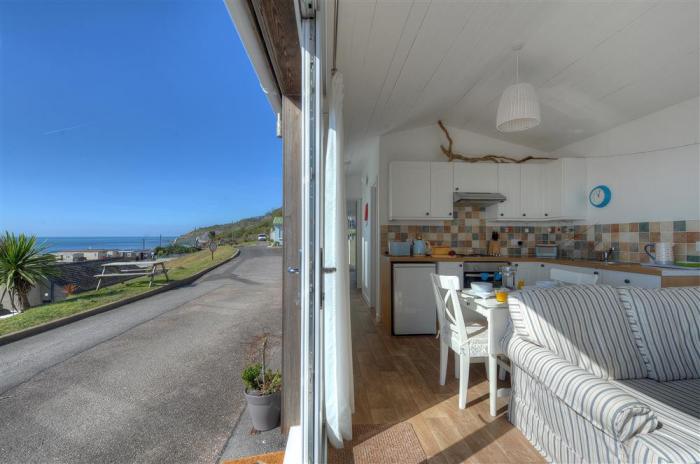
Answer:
(594, 64)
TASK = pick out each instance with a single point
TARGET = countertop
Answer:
(620, 267)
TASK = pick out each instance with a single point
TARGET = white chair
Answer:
(466, 340)
(570, 277)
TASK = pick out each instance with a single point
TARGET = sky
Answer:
(130, 118)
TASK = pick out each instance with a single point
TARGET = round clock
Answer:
(600, 196)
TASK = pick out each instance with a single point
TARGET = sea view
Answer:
(103, 243)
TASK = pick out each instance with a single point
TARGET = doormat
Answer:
(269, 458)
(386, 444)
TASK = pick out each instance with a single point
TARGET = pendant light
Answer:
(519, 108)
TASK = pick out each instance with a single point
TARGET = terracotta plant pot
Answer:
(264, 410)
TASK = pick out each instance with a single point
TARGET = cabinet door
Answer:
(531, 192)
(451, 268)
(552, 181)
(476, 177)
(631, 279)
(409, 190)
(509, 186)
(526, 271)
(441, 201)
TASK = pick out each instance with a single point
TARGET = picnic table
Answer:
(145, 268)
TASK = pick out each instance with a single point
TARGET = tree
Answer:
(23, 265)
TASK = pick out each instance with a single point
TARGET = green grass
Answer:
(178, 269)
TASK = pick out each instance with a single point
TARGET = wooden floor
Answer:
(396, 379)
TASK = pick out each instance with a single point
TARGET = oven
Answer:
(483, 271)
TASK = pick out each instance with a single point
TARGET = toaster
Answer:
(397, 248)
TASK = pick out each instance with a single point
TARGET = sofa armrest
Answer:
(598, 401)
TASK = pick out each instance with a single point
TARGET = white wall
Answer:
(651, 164)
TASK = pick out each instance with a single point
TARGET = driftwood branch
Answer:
(451, 155)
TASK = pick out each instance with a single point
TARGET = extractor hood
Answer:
(480, 199)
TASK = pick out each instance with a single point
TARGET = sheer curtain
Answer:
(339, 391)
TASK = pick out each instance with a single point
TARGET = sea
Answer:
(103, 243)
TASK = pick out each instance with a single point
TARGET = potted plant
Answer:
(262, 392)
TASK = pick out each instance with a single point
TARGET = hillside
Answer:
(240, 231)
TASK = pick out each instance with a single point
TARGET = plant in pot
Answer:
(262, 392)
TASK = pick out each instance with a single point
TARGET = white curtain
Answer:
(339, 391)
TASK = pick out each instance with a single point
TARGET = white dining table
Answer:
(497, 317)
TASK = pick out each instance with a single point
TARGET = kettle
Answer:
(420, 247)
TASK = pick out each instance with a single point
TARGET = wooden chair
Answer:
(467, 340)
(570, 277)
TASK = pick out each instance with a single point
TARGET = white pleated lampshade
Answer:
(519, 109)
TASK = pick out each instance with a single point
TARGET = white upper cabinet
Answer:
(409, 189)
(509, 186)
(476, 177)
(531, 191)
(441, 200)
(565, 189)
(420, 190)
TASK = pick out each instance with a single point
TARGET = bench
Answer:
(150, 268)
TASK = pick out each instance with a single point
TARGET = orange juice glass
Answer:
(501, 295)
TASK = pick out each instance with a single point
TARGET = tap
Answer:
(607, 255)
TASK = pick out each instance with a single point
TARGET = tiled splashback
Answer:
(470, 233)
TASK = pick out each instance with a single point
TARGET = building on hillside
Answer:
(71, 256)
(81, 274)
(276, 233)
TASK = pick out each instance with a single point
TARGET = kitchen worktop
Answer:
(621, 267)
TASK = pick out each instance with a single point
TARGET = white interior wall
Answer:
(651, 164)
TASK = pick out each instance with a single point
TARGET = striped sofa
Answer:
(606, 375)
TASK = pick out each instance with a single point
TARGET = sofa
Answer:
(607, 375)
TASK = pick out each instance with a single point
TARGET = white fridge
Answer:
(413, 305)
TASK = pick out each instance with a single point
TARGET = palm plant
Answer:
(23, 265)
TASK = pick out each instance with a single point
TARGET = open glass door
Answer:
(312, 421)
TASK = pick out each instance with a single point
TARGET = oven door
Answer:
(470, 277)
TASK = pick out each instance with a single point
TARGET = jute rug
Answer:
(375, 444)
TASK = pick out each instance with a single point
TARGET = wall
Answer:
(651, 164)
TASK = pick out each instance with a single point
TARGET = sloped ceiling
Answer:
(595, 65)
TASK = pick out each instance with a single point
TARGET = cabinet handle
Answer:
(524, 214)
(627, 281)
(427, 214)
(541, 265)
(456, 188)
(450, 214)
(595, 272)
(546, 214)
(501, 214)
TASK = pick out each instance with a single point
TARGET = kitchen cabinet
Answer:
(527, 271)
(509, 186)
(565, 190)
(531, 191)
(420, 190)
(451, 268)
(441, 201)
(630, 279)
(476, 177)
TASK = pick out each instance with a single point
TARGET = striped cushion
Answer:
(602, 403)
(666, 327)
(584, 324)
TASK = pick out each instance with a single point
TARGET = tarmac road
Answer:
(157, 380)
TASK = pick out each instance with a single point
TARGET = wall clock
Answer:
(600, 196)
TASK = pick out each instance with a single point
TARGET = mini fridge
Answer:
(413, 305)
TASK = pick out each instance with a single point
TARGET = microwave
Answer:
(545, 250)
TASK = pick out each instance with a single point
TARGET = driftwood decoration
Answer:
(451, 155)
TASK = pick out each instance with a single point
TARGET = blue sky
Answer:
(130, 118)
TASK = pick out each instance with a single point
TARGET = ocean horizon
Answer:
(104, 243)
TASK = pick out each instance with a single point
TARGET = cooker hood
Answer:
(479, 199)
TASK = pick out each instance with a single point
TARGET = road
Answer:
(157, 380)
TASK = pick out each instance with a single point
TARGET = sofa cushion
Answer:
(677, 406)
(666, 327)
(584, 324)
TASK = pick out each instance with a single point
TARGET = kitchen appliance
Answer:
(546, 250)
(663, 252)
(508, 277)
(413, 300)
(397, 248)
(483, 271)
(420, 247)
(477, 199)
